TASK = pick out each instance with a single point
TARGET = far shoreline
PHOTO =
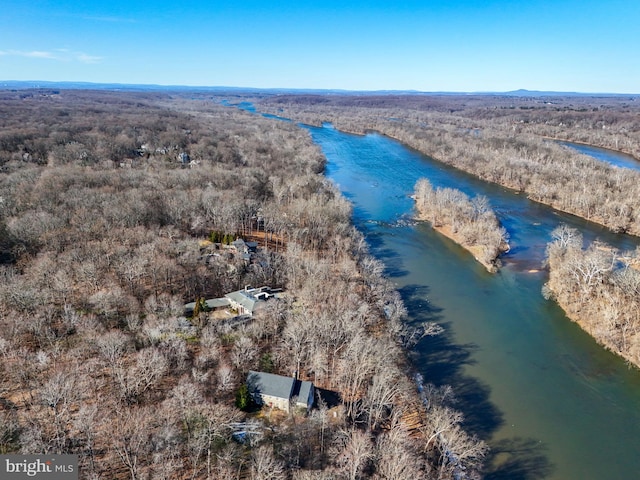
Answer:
(595, 220)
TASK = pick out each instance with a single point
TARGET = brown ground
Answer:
(268, 240)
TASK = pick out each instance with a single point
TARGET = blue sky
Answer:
(439, 45)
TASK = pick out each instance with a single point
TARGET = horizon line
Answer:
(29, 84)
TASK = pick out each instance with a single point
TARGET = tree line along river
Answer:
(550, 402)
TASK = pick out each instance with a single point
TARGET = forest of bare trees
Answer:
(599, 287)
(470, 222)
(105, 199)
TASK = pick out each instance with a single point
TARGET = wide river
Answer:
(550, 402)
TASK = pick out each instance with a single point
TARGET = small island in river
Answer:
(471, 223)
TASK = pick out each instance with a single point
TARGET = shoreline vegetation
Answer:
(471, 223)
(502, 140)
(506, 140)
(599, 288)
(106, 200)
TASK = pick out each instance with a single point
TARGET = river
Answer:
(612, 157)
(551, 403)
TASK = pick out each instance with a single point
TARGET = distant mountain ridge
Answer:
(34, 84)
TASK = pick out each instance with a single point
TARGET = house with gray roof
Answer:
(248, 300)
(212, 305)
(279, 391)
(244, 302)
(244, 247)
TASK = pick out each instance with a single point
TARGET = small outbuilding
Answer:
(184, 158)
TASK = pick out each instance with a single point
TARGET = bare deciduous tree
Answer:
(264, 465)
(130, 438)
(396, 459)
(58, 393)
(355, 451)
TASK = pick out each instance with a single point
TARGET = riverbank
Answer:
(513, 360)
(524, 162)
(586, 316)
(597, 287)
(583, 315)
(475, 250)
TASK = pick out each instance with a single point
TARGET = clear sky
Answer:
(429, 45)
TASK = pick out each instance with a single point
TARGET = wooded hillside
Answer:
(107, 200)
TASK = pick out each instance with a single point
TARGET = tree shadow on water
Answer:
(393, 261)
(419, 308)
(394, 265)
(441, 361)
(518, 459)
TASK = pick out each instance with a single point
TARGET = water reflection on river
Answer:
(551, 402)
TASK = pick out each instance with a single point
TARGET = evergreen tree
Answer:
(243, 398)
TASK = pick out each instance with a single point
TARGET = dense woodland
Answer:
(105, 201)
(470, 222)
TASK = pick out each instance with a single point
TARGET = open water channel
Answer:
(610, 156)
(551, 402)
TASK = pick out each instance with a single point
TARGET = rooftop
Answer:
(270, 384)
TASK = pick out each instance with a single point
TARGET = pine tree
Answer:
(243, 398)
